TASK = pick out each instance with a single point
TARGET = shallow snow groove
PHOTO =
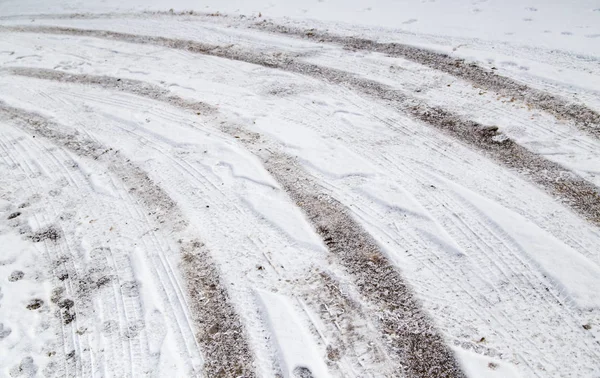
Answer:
(567, 187)
(406, 329)
(219, 330)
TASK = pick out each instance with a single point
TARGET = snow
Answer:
(296, 348)
(504, 268)
(534, 22)
(479, 366)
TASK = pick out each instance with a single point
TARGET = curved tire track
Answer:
(586, 119)
(570, 189)
(226, 350)
(405, 328)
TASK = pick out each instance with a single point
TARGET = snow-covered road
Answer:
(225, 195)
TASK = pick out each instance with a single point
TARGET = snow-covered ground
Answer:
(243, 188)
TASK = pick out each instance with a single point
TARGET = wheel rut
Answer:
(219, 329)
(585, 118)
(567, 187)
(404, 329)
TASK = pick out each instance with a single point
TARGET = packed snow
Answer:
(299, 189)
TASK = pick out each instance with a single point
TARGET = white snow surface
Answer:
(508, 274)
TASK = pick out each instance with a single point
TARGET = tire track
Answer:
(406, 329)
(345, 343)
(586, 119)
(567, 187)
(227, 352)
(401, 320)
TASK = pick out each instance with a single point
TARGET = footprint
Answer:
(134, 329)
(109, 327)
(566, 33)
(531, 9)
(16, 276)
(592, 35)
(302, 372)
(34, 304)
(528, 19)
(4, 331)
(26, 368)
(130, 289)
(411, 21)
(14, 215)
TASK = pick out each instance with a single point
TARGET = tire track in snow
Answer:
(586, 119)
(567, 187)
(402, 322)
(350, 341)
(219, 329)
(375, 149)
(406, 329)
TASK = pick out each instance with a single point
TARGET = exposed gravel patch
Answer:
(219, 329)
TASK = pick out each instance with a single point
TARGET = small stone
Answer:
(14, 215)
(34, 304)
